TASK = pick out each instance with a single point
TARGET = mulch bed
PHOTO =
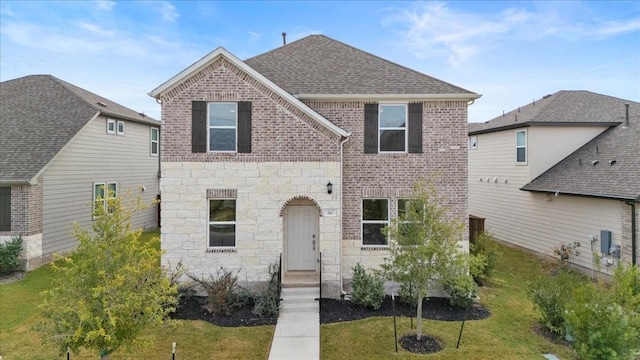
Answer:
(333, 310)
(426, 344)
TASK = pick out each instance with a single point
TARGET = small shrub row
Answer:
(487, 257)
(602, 321)
(10, 255)
(367, 288)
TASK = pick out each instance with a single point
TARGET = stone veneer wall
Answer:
(391, 176)
(262, 190)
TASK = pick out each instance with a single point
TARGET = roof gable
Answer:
(212, 57)
(39, 115)
(607, 166)
(564, 107)
(319, 66)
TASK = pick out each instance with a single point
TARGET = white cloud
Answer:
(254, 36)
(168, 11)
(94, 29)
(106, 5)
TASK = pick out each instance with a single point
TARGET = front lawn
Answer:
(195, 339)
(507, 334)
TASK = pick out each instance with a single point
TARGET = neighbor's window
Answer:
(223, 120)
(111, 126)
(112, 193)
(392, 128)
(5, 208)
(120, 127)
(521, 147)
(155, 141)
(473, 142)
(375, 216)
(99, 199)
(222, 222)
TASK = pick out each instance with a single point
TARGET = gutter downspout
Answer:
(342, 292)
(634, 238)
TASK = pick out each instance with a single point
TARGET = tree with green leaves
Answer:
(424, 247)
(110, 289)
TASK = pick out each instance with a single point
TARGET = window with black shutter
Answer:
(5, 208)
(221, 126)
(390, 128)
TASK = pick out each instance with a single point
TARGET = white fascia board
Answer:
(222, 52)
(389, 97)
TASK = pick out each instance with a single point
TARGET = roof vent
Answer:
(101, 104)
(594, 162)
(611, 162)
(142, 114)
(284, 38)
(546, 96)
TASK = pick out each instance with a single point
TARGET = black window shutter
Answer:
(370, 128)
(5, 208)
(244, 127)
(199, 126)
(415, 128)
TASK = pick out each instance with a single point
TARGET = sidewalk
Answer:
(297, 335)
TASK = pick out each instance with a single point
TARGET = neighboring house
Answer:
(561, 172)
(303, 152)
(60, 148)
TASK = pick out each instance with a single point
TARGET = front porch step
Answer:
(300, 280)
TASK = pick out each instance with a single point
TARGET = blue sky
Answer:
(510, 52)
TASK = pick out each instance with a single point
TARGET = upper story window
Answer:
(222, 222)
(521, 147)
(154, 147)
(393, 128)
(375, 216)
(221, 126)
(120, 127)
(223, 122)
(111, 126)
(473, 142)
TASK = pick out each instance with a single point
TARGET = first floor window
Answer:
(375, 216)
(222, 223)
(99, 199)
(111, 126)
(155, 141)
(521, 147)
(223, 120)
(112, 193)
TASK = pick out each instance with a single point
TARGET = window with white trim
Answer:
(521, 147)
(375, 216)
(112, 193)
(222, 223)
(223, 126)
(120, 127)
(111, 126)
(154, 147)
(102, 193)
(392, 125)
(473, 142)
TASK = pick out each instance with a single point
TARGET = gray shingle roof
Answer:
(561, 108)
(576, 175)
(39, 114)
(319, 65)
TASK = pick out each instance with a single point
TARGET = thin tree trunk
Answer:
(419, 315)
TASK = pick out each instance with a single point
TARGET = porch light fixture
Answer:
(329, 188)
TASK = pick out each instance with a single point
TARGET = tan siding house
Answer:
(52, 174)
(556, 197)
(270, 158)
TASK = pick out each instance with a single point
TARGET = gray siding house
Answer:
(60, 147)
(562, 173)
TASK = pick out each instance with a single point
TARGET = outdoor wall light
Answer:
(329, 188)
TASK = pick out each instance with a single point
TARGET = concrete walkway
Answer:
(297, 335)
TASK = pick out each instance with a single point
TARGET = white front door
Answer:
(302, 238)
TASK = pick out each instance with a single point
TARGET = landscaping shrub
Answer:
(462, 290)
(484, 250)
(10, 255)
(223, 292)
(408, 294)
(550, 294)
(368, 289)
(267, 302)
(601, 328)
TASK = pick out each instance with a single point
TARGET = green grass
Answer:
(195, 339)
(507, 334)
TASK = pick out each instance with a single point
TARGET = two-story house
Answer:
(61, 148)
(303, 153)
(561, 175)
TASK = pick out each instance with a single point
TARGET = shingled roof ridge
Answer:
(69, 87)
(367, 53)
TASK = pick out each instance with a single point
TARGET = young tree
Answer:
(424, 247)
(110, 288)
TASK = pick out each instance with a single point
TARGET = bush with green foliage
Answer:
(550, 294)
(462, 290)
(267, 301)
(367, 289)
(223, 292)
(483, 248)
(408, 294)
(600, 327)
(10, 255)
